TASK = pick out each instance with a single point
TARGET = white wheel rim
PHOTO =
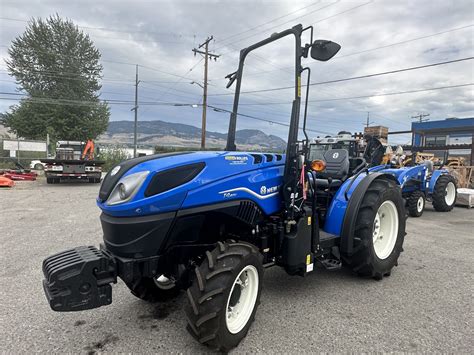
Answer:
(420, 204)
(240, 307)
(385, 229)
(163, 282)
(450, 193)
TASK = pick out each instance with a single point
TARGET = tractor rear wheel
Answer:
(379, 231)
(445, 193)
(153, 290)
(225, 295)
(416, 203)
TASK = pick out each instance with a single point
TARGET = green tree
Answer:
(57, 67)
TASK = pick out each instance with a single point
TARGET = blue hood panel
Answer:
(226, 176)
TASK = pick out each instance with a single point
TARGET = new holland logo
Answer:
(263, 190)
(335, 155)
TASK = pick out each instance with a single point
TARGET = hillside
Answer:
(182, 135)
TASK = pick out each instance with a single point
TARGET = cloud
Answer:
(161, 34)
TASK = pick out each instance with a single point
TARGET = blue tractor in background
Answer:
(209, 223)
(421, 183)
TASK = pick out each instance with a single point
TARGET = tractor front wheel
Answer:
(445, 193)
(379, 231)
(225, 295)
(416, 203)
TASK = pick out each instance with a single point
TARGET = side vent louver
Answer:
(248, 212)
(257, 158)
(269, 157)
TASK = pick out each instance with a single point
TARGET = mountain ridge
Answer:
(158, 132)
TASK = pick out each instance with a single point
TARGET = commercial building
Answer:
(444, 138)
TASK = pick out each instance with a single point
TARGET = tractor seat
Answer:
(337, 164)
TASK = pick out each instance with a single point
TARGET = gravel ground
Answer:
(425, 306)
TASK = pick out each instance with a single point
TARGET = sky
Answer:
(375, 36)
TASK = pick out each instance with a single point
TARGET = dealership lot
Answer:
(425, 306)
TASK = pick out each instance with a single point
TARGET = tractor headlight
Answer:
(127, 188)
(122, 191)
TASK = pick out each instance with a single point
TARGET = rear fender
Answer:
(342, 213)
(406, 174)
(434, 178)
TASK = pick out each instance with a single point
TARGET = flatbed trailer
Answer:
(56, 170)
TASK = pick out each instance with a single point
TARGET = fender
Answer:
(349, 221)
(434, 178)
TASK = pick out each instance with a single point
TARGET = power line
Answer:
(117, 62)
(181, 77)
(77, 77)
(356, 97)
(168, 88)
(266, 23)
(167, 73)
(309, 13)
(373, 49)
(354, 77)
(395, 93)
(403, 42)
(218, 109)
(60, 101)
(112, 29)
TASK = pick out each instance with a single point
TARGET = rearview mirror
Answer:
(324, 50)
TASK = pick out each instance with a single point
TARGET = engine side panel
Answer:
(261, 186)
(227, 176)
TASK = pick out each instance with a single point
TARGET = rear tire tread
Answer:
(439, 201)
(362, 261)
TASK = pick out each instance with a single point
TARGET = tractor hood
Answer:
(160, 183)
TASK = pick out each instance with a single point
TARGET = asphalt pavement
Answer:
(425, 306)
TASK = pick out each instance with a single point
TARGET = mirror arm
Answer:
(305, 49)
(306, 106)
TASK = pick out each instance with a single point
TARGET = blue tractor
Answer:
(209, 223)
(421, 183)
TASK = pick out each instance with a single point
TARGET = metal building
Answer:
(449, 137)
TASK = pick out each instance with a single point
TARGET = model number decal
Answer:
(264, 192)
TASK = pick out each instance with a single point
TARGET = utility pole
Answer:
(421, 116)
(135, 108)
(207, 56)
(368, 123)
